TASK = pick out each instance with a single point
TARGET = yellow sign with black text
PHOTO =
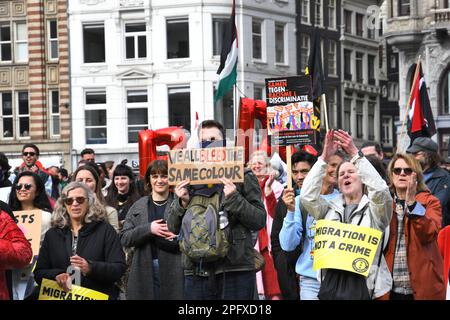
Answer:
(50, 290)
(345, 246)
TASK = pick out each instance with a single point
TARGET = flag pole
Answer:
(409, 100)
(323, 100)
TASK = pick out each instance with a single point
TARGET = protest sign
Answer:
(290, 111)
(4, 194)
(50, 290)
(30, 223)
(345, 246)
(206, 166)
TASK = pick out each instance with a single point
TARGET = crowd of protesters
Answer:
(123, 234)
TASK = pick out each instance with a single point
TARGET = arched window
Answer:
(445, 92)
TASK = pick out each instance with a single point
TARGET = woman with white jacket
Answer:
(372, 208)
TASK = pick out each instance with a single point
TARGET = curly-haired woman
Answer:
(81, 237)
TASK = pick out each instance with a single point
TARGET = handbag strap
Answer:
(379, 263)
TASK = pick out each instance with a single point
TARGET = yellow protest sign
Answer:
(30, 223)
(206, 166)
(345, 246)
(50, 290)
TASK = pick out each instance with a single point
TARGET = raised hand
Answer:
(289, 199)
(411, 190)
(270, 180)
(228, 187)
(330, 146)
(345, 141)
(182, 192)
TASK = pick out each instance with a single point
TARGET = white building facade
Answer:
(152, 64)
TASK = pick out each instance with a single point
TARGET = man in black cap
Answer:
(437, 179)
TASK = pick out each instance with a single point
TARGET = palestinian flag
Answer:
(420, 117)
(228, 59)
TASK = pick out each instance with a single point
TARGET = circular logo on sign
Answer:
(360, 265)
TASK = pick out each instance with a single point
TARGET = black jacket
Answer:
(284, 261)
(246, 214)
(439, 184)
(98, 243)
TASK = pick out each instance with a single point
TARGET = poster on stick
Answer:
(30, 223)
(207, 165)
(290, 111)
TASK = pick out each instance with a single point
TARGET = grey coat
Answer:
(136, 233)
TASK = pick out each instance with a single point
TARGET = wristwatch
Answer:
(359, 155)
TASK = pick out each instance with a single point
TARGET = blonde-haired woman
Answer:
(412, 252)
(267, 280)
(81, 237)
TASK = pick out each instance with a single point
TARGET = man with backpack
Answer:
(215, 225)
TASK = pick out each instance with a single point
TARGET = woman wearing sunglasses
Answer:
(88, 175)
(80, 237)
(27, 194)
(156, 269)
(412, 252)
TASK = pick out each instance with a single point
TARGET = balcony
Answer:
(441, 18)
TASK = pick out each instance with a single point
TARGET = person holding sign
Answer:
(412, 253)
(156, 271)
(241, 212)
(81, 238)
(28, 195)
(15, 251)
(354, 206)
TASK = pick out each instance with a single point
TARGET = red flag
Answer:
(420, 117)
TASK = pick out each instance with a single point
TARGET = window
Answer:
(305, 11)
(393, 94)
(393, 61)
(347, 64)
(372, 106)
(304, 51)
(258, 92)
(359, 66)
(359, 119)
(180, 107)
(52, 39)
(370, 32)
(219, 25)
(94, 43)
(279, 43)
(223, 112)
(332, 70)
(23, 114)
(445, 93)
(137, 116)
(371, 69)
(386, 130)
(359, 24)
(5, 43)
(318, 13)
(257, 39)
(348, 21)
(95, 117)
(347, 114)
(7, 115)
(403, 8)
(21, 42)
(135, 41)
(54, 113)
(332, 107)
(332, 14)
(177, 38)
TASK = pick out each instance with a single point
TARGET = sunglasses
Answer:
(79, 200)
(398, 171)
(26, 154)
(27, 186)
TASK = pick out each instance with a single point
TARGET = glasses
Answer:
(26, 154)
(27, 186)
(407, 171)
(79, 200)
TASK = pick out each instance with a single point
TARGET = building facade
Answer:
(420, 29)
(322, 16)
(152, 64)
(34, 80)
(360, 72)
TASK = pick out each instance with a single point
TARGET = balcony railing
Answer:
(442, 16)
